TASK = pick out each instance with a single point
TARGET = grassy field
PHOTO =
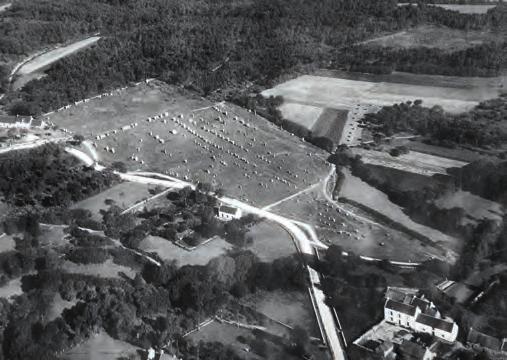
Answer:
(359, 233)
(413, 162)
(225, 334)
(53, 235)
(241, 152)
(4, 6)
(102, 347)
(357, 190)
(7, 242)
(475, 206)
(457, 154)
(200, 256)
(489, 85)
(330, 124)
(467, 8)
(124, 195)
(343, 93)
(50, 57)
(432, 36)
(270, 241)
(12, 288)
(106, 269)
(57, 306)
(304, 115)
(289, 307)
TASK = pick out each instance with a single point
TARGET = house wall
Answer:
(399, 318)
(448, 336)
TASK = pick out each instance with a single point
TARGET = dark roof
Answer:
(434, 322)
(400, 307)
(487, 341)
(36, 122)
(228, 209)
(412, 351)
(395, 294)
(422, 304)
(431, 312)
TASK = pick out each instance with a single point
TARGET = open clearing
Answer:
(487, 85)
(462, 8)
(102, 347)
(169, 252)
(57, 306)
(467, 8)
(354, 230)
(225, 334)
(339, 93)
(431, 36)
(475, 206)
(108, 269)
(50, 57)
(414, 162)
(322, 122)
(246, 155)
(53, 235)
(359, 191)
(330, 124)
(12, 288)
(457, 154)
(304, 115)
(7, 243)
(123, 195)
(292, 308)
(4, 7)
(270, 241)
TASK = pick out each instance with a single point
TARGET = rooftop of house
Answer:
(401, 307)
(228, 209)
(424, 305)
(434, 322)
(8, 119)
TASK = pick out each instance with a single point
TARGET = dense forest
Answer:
(208, 46)
(47, 176)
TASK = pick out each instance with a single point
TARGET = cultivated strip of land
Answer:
(50, 57)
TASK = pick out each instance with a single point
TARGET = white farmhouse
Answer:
(14, 122)
(417, 313)
(228, 213)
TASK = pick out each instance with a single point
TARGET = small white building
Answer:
(228, 213)
(15, 122)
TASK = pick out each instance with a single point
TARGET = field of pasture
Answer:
(343, 93)
(165, 129)
(432, 36)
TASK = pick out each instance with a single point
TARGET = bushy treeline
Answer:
(480, 127)
(205, 46)
(481, 60)
(46, 177)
